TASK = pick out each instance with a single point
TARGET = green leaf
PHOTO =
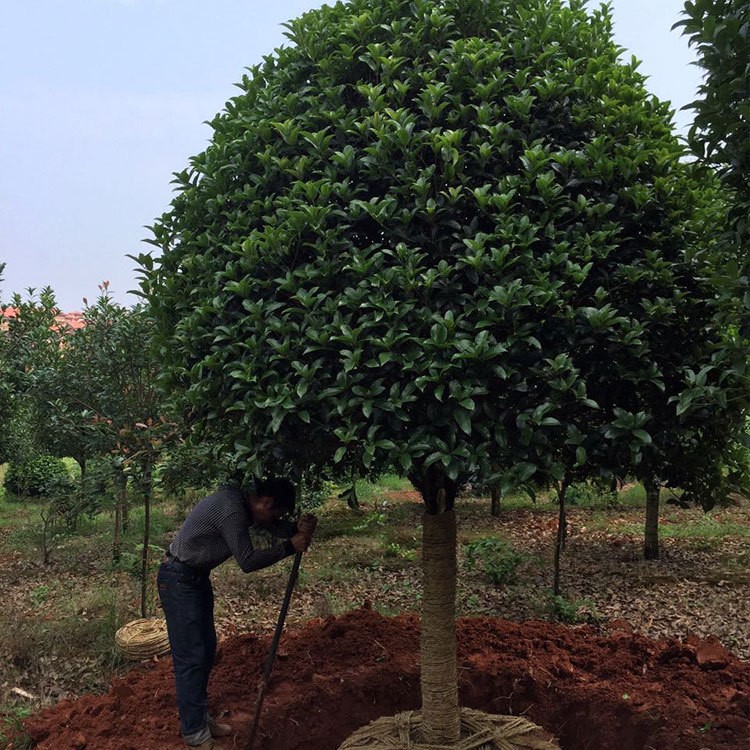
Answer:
(464, 420)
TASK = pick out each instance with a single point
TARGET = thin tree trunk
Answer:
(122, 490)
(651, 535)
(147, 488)
(48, 532)
(562, 531)
(125, 506)
(439, 678)
(83, 466)
(496, 495)
(81, 496)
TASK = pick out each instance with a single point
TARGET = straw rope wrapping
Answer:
(142, 639)
(479, 731)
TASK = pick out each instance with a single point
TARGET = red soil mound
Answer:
(618, 691)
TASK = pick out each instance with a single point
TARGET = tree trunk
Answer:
(147, 489)
(122, 490)
(82, 465)
(48, 532)
(497, 495)
(82, 497)
(651, 536)
(125, 506)
(562, 531)
(439, 678)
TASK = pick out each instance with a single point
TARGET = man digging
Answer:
(217, 529)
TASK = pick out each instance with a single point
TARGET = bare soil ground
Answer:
(593, 690)
(650, 640)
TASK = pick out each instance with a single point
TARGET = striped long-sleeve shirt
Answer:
(218, 528)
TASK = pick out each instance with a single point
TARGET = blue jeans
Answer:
(188, 602)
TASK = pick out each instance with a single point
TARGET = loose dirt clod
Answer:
(593, 689)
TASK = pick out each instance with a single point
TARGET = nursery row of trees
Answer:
(89, 393)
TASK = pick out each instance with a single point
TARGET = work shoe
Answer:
(208, 744)
(218, 729)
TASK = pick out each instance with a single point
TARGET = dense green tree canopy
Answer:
(720, 136)
(449, 236)
(720, 32)
(30, 351)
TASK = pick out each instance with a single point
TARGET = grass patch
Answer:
(16, 513)
(631, 496)
(372, 491)
(12, 733)
(706, 527)
(675, 524)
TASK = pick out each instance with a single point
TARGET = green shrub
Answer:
(572, 612)
(131, 561)
(314, 490)
(496, 558)
(40, 476)
(591, 493)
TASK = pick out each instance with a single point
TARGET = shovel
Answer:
(268, 664)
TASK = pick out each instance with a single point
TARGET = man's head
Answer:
(271, 499)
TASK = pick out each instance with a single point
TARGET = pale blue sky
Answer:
(101, 100)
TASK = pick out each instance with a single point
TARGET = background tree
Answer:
(89, 393)
(32, 345)
(448, 238)
(720, 134)
(5, 385)
(122, 407)
(720, 137)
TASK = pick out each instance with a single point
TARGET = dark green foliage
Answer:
(720, 32)
(313, 490)
(720, 137)
(447, 237)
(40, 476)
(188, 467)
(30, 350)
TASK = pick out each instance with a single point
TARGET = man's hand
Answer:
(300, 541)
(307, 523)
(305, 529)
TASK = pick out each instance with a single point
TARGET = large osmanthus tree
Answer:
(449, 237)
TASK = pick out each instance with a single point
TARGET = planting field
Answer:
(657, 649)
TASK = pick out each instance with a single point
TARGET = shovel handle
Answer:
(282, 617)
(268, 664)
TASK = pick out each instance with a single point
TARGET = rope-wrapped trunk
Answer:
(439, 678)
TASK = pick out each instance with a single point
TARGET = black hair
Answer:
(281, 490)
